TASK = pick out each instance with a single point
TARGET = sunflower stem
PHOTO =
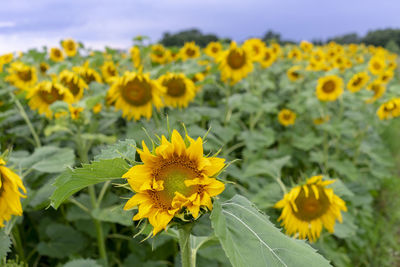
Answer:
(188, 258)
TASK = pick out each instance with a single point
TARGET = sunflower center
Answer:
(267, 56)
(236, 60)
(175, 87)
(70, 45)
(390, 106)
(310, 208)
(190, 52)
(328, 87)
(214, 49)
(43, 68)
(287, 116)
(88, 77)
(25, 76)
(357, 81)
(73, 87)
(50, 97)
(376, 65)
(295, 74)
(256, 49)
(137, 93)
(111, 70)
(376, 88)
(57, 53)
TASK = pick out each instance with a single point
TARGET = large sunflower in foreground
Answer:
(56, 54)
(358, 81)
(10, 193)
(135, 94)
(74, 83)
(21, 76)
(179, 90)
(390, 109)
(189, 50)
(176, 177)
(235, 64)
(46, 93)
(329, 88)
(70, 47)
(309, 207)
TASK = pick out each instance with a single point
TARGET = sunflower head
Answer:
(310, 207)
(386, 76)
(75, 84)
(189, 50)
(329, 88)
(6, 58)
(378, 88)
(179, 90)
(306, 46)
(255, 47)
(70, 47)
(390, 109)
(358, 81)
(294, 74)
(21, 76)
(134, 51)
(321, 120)
(213, 49)
(176, 178)
(109, 71)
(87, 74)
(376, 65)
(159, 54)
(56, 54)
(295, 54)
(43, 67)
(269, 57)
(75, 112)
(286, 117)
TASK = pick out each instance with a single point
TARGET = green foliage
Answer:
(5, 244)
(82, 263)
(180, 38)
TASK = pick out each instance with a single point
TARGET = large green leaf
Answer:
(271, 168)
(250, 239)
(123, 149)
(5, 244)
(82, 263)
(71, 181)
(114, 214)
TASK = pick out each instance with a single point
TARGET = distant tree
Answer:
(382, 37)
(350, 38)
(180, 38)
(271, 36)
(393, 46)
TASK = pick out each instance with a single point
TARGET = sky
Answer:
(28, 24)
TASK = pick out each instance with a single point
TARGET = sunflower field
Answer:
(252, 154)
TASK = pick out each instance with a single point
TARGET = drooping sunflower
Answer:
(189, 51)
(135, 94)
(213, 49)
(378, 88)
(87, 74)
(134, 51)
(70, 47)
(376, 65)
(46, 93)
(159, 54)
(293, 73)
(56, 54)
(21, 76)
(390, 109)
(255, 47)
(74, 83)
(175, 178)
(11, 186)
(109, 71)
(75, 112)
(310, 207)
(43, 67)
(286, 117)
(234, 64)
(269, 57)
(329, 88)
(358, 81)
(179, 90)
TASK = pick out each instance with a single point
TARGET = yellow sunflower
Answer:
(87, 74)
(97, 108)
(21, 76)
(378, 88)
(376, 65)
(179, 90)
(175, 178)
(329, 88)
(309, 207)
(109, 71)
(213, 49)
(74, 83)
(306, 46)
(234, 64)
(294, 73)
(6, 58)
(269, 57)
(386, 76)
(70, 47)
(189, 51)
(134, 51)
(135, 94)
(255, 47)
(321, 120)
(10, 193)
(198, 77)
(358, 81)
(75, 112)
(286, 117)
(277, 49)
(159, 54)
(43, 67)
(46, 93)
(390, 109)
(295, 54)
(56, 54)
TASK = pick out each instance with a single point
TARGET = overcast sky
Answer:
(33, 23)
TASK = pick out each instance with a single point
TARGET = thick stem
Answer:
(187, 256)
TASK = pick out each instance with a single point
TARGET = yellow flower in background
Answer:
(358, 81)
(135, 94)
(269, 57)
(376, 65)
(21, 76)
(75, 112)
(159, 54)
(109, 71)
(310, 207)
(390, 109)
(97, 108)
(277, 49)
(179, 90)
(46, 93)
(378, 88)
(134, 51)
(87, 74)
(10, 193)
(255, 47)
(234, 64)
(294, 73)
(43, 67)
(198, 77)
(74, 83)
(70, 47)
(286, 117)
(176, 177)
(321, 120)
(306, 46)
(295, 54)
(386, 76)
(6, 58)
(213, 49)
(360, 59)
(329, 88)
(56, 54)
(189, 51)
(392, 65)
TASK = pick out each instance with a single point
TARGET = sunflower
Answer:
(378, 88)
(390, 109)
(10, 193)
(70, 47)
(43, 67)
(358, 81)
(159, 54)
(198, 77)
(306, 46)
(87, 74)
(255, 47)
(295, 54)
(269, 57)
(277, 49)
(134, 51)
(74, 83)
(109, 71)
(21, 76)
(213, 49)
(386, 76)
(286, 117)
(6, 58)
(75, 112)
(235, 64)
(135, 94)
(318, 56)
(321, 120)
(293, 73)
(179, 90)
(56, 54)
(46, 93)
(309, 207)
(376, 65)
(175, 178)
(329, 88)
(97, 108)
(189, 50)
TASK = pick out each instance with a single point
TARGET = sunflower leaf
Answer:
(250, 239)
(74, 180)
(5, 244)
(125, 149)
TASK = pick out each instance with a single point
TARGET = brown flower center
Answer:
(328, 87)
(236, 60)
(57, 53)
(190, 52)
(310, 208)
(175, 87)
(267, 56)
(136, 92)
(50, 97)
(73, 87)
(357, 81)
(25, 76)
(214, 49)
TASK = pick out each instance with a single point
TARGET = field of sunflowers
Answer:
(247, 154)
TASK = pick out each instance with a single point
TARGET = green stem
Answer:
(187, 256)
(27, 120)
(17, 243)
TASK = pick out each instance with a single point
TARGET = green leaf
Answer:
(123, 149)
(271, 168)
(72, 181)
(99, 137)
(114, 214)
(5, 244)
(82, 263)
(250, 239)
